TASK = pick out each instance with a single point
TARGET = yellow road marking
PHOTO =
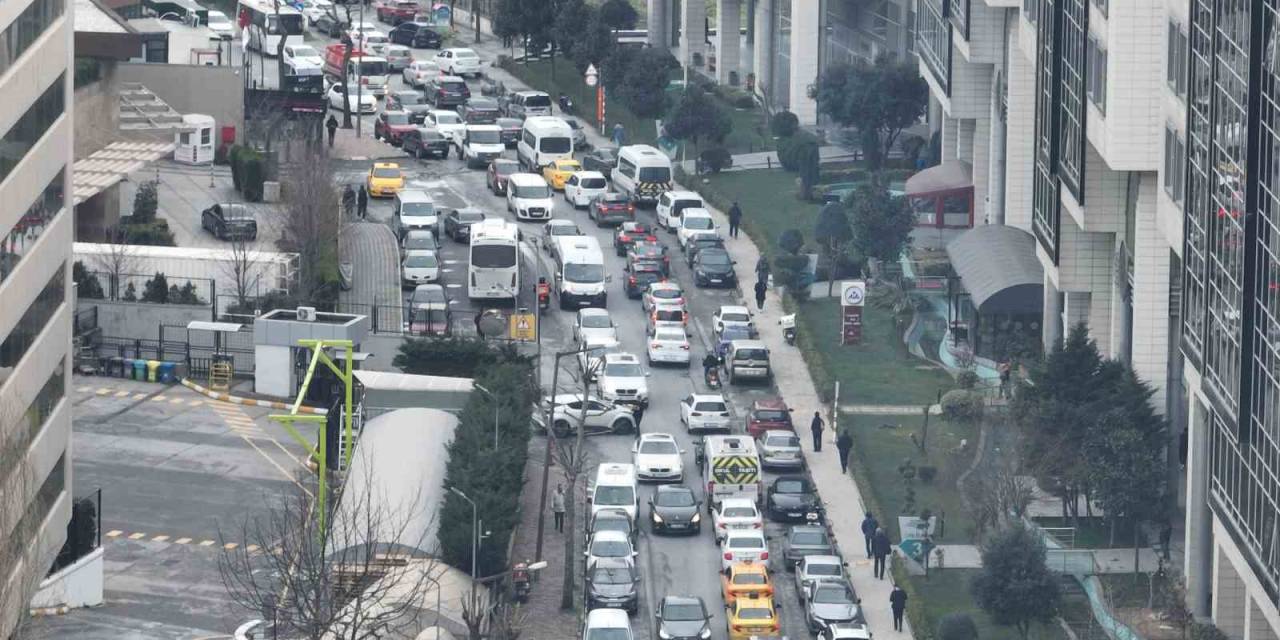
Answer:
(206, 543)
(103, 391)
(229, 546)
(177, 401)
(121, 394)
(113, 533)
(160, 538)
(182, 540)
(158, 399)
(275, 464)
(251, 548)
(137, 536)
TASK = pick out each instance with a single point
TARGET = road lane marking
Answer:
(206, 543)
(121, 394)
(160, 538)
(182, 541)
(113, 533)
(137, 536)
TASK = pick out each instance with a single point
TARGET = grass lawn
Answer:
(1094, 533)
(947, 591)
(878, 450)
(566, 79)
(768, 200)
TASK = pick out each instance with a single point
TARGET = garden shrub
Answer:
(967, 380)
(962, 405)
(716, 159)
(784, 124)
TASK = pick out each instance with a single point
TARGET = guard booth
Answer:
(195, 141)
(281, 364)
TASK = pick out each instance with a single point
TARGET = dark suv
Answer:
(479, 110)
(230, 222)
(447, 91)
(425, 141)
(418, 35)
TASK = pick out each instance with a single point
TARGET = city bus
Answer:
(494, 269)
(266, 22)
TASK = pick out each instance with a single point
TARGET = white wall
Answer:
(75, 586)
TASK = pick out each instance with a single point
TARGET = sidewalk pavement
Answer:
(346, 146)
(967, 556)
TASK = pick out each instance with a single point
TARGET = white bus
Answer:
(267, 23)
(494, 269)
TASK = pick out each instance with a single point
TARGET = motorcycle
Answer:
(544, 295)
(520, 583)
(788, 323)
(712, 377)
(566, 104)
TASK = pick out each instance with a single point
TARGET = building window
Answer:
(1176, 64)
(1072, 22)
(1102, 6)
(33, 124)
(26, 29)
(1175, 158)
(30, 226)
(1097, 75)
(1031, 9)
(24, 532)
(933, 35)
(959, 13)
(36, 318)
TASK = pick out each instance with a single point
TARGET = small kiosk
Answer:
(195, 141)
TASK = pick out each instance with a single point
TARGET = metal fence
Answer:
(84, 532)
(131, 287)
(196, 350)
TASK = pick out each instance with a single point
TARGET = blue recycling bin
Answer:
(115, 366)
(140, 370)
(126, 368)
(167, 372)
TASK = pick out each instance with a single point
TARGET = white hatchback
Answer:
(593, 322)
(419, 267)
(657, 457)
(735, 316)
(741, 545)
(668, 345)
(459, 62)
(582, 187)
(694, 220)
(662, 293)
(419, 71)
(705, 412)
(736, 514)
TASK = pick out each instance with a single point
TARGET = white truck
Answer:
(478, 144)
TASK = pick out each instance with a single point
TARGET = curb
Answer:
(50, 611)
(226, 397)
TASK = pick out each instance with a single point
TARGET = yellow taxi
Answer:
(744, 579)
(384, 180)
(753, 615)
(559, 171)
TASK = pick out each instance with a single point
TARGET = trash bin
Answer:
(115, 366)
(152, 366)
(139, 369)
(126, 368)
(166, 372)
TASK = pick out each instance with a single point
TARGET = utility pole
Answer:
(359, 72)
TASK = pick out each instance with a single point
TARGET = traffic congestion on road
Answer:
(700, 504)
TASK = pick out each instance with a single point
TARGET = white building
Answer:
(36, 75)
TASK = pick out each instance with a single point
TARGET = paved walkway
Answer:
(346, 146)
(372, 250)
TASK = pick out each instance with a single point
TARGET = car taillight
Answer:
(632, 279)
(364, 80)
(728, 555)
(720, 526)
(764, 556)
(631, 208)
(739, 628)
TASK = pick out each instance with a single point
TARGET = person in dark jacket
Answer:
(332, 125)
(816, 427)
(898, 603)
(844, 444)
(735, 219)
(349, 201)
(760, 291)
(762, 270)
(869, 526)
(362, 202)
(880, 550)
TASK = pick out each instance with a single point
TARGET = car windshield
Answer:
(746, 542)
(659, 447)
(610, 548)
(809, 537)
(584, 273)
(555, 145)
(564, 230)
(821, 569)
(621, 525)
(790, 486)
(532, 191)
(505, 168)
(614, 496)
(303, 51)
(770, 414)
(386, 172)
(667, 294)
(611, 633)
(755, 613)
(485, 137)
(593, 183)
(683, 612)
(833, 594)
(420, 241)
(219, 20)
(713, 406)
(735, 316)
(456, 87)
(417, 209)
(782, 440)
(490, 256)
(749, 578)
(654, 174)
(444, 117)
(714, 258)
(397, 118)
(751, 354)
(669, 315)
(537, 100)
(698, 222)
(596, 321)
(738, 512)
(431, 134)
(470, 216)
(372, 67)
(673, 498)
(411, 98)
(568, 165)
(624, 370)
(613, 575)
(429, 294)
(422, 261)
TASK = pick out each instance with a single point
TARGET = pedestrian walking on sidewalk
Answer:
(816, 427)
(349, 201)
(880, 550)
(1005, 374)
(735, 219)
(869, 526)
(762, 270)
(760, 290)
(844, 444)
(362, 201)
(638, 414)
(1166, 537)
(619, 134)
(557, 507)
(898, 603)
(332, 125)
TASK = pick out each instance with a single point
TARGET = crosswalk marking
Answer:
(229, 546)
(121, 394)
(83, 389)
(160, 538)
(251, 548)
(195, 403)
(182, 540)
(113, 533)
(177, 401)
(206, 543)
(137, 536)
(158, 398)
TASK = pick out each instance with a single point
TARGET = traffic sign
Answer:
(853, 293)
(524, 327)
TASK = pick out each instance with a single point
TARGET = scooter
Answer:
(788, 323)
(544, 295)
(566, 105)
(712, 377)
(520, 582)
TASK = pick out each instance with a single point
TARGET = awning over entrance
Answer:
(999, 269)
(948, 176)
(111, 164)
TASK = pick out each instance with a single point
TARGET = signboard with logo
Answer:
(853, 294)
(524, 327)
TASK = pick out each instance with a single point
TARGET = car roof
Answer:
(614, 563)
(450, 79)
(566, 161)
(526, 178)
(822, 560)
(748, 344)
(386, 165)
(666, 284)
(748, 567)
(666, 437)
(709, 397)
(609, 534)
(805, 528)
(683, 194)
(589, 174)
(561, 222)
(734, 308)
(608, 618)
(505, 161)
(670, 330)
(743, 533)
(769, 403)
(588, 311)
(737, 502)
(682, 600)
(776, 433)
(696, 211)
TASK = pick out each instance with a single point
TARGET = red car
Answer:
(394, 13)
(612, 208)
(392, 125)
(630, 233)
(496, 176)
(768, 414)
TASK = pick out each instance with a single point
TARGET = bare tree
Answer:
(362, 574)
(998, 495)
(309, 224)
(243, 268)
(19, 491)
(121, 259)
(332, 11)
(571, 455)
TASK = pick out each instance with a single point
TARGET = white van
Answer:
(543, 140)
(614, 489)
(730, 468)
(414, 209)
(580, 279)
(672, 204)
(529, 197)
(642, 172)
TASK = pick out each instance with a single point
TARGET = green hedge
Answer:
(248, 171)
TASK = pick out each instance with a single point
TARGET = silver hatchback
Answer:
(779, 449)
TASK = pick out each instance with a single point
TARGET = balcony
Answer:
(933, 42)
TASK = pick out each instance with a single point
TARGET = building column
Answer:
(1052, 316)
(659, 23)
(981, 164)
(950, 137)
(746, 61)
(1150, 330)
(1197, 554)
(964, 143)
(762, 47)
(994, 204)
(1230, 597)
(728, 41)
(806, 27)
(693, 34)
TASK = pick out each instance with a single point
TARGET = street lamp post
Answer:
(494, 400)
(475, 538)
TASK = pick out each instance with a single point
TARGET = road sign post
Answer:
(853, 294)
(524, 327)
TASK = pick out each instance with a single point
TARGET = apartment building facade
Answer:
(36, 80)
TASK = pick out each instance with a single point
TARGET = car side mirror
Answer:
(608, 279)
(844, 564)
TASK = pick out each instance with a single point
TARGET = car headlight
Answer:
(697, 517)
(664, 635)
(656, 517)
(706, 632)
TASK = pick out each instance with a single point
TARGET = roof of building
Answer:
(111, 164)
(101, 33)
(948, 176)
(998, 266)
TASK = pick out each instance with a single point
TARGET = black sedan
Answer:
(645, 251)
(639, 275)
(792, 499)
(683, 617)
(423, 142)
(603, 159)
(700, 241)
(713, 268)
(674, 508)
(457, 224)
(418, 35)
(230, 222)
(510, 131)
